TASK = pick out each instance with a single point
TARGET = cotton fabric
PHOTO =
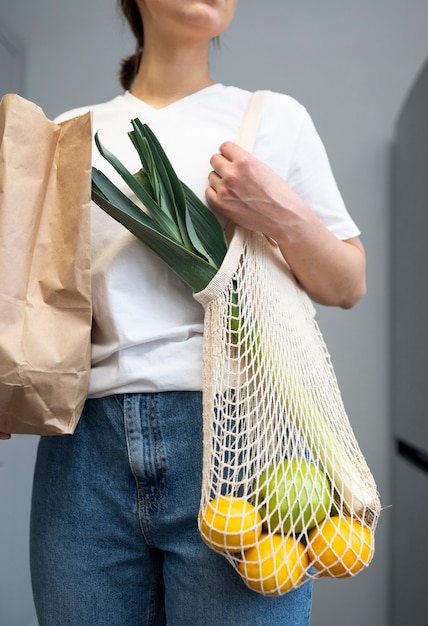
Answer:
(147, 333)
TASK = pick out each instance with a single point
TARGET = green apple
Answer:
(293, 496)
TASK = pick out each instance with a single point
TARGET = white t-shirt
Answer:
(147, 327)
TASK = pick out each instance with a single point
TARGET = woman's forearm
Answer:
(332, 271)
(244, 190)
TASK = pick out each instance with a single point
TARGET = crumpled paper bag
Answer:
(45, 288)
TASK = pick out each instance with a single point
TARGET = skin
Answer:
(177, 37)
(246, 191)
(240, 187)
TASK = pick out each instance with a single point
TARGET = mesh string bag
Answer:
(287, 495)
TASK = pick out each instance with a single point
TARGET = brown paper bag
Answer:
(45, 299)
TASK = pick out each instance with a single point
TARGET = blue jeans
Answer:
(114, 536)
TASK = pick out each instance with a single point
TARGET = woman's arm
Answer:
(248, 192)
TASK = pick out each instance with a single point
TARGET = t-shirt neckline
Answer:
(177, 103)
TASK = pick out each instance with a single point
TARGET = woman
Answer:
(114, 537)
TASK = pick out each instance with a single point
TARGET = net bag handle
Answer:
(250, 122)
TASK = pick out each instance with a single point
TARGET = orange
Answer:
(340, 546)
(230, 524)
(275, 565)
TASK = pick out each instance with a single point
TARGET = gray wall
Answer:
(351, 64)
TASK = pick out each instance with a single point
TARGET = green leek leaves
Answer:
(174, 223)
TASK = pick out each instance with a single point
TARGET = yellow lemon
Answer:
(340, 546)
(230, 524)
(275, 565)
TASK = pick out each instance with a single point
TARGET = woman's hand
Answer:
(248, 192)
(4, 436)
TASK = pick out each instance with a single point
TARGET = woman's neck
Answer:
(165, 78)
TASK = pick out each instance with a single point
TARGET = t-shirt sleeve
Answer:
(311, 176)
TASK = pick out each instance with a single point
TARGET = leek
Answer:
(171, 220)
(184, 233)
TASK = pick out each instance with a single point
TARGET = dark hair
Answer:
(129, 66)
